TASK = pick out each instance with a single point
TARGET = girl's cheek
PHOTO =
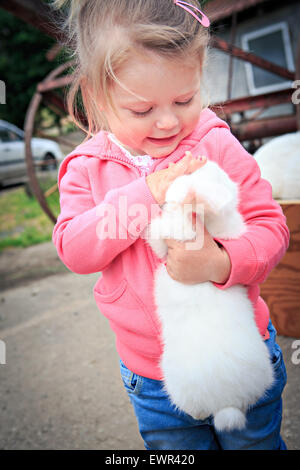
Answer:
(194, 116)
(141, 130)
(134, 136)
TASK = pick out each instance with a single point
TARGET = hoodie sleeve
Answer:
(259, 250)
(88, 236)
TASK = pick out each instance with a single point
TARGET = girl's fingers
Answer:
(201, 160)
(185, 160)
(186, 165)
(179, 167)
(195, 164)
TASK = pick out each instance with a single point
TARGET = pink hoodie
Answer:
(98, 179)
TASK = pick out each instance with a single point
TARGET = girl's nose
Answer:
(167, 121)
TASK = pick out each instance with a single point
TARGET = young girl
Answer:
(139, 68)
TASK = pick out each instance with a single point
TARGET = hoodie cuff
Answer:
(243, 262)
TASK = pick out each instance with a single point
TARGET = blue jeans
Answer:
(163, 427)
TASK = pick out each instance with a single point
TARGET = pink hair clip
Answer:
(204, 20)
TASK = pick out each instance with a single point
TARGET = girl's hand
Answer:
(190, 266)
(210, 263)
(159, 181)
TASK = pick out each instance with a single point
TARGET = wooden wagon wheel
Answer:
(44, 92)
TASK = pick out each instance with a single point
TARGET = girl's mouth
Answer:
(165, 141)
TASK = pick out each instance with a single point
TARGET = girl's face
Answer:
(169, 110)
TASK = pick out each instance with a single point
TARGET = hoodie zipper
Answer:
(125, 161)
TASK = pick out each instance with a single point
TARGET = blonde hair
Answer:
(101, 35)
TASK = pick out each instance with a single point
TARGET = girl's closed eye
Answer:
(183, 103)
(144, 113)
(141, 113)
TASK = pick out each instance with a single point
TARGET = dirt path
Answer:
(60, 387)
(19, 266)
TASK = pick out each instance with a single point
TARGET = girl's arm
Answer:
(259, 250)
(89, 237)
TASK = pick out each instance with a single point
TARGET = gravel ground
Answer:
(60, 387)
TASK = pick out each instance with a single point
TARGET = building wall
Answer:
(216, 71)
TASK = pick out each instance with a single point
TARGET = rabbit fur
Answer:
(279, 162)
(214, 359)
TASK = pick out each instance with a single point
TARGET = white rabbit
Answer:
(279, 162)
(214, 360)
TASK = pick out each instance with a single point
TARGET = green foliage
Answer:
(23, 64)
(22, 221)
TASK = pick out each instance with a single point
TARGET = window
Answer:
(271, 43)
(6, 135)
